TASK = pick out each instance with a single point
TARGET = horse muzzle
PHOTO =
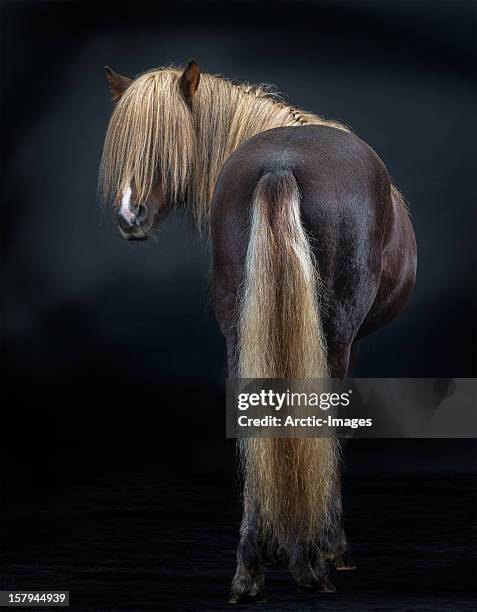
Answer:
(133, 222)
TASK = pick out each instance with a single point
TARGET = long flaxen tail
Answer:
(280, 336)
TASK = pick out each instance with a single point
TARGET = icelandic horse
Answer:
(312, 249)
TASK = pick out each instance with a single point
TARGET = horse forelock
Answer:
(150, 137)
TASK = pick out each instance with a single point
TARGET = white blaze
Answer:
(124, 208)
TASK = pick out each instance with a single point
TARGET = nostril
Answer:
(141, 214)
(132, 216)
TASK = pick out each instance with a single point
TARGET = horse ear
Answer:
(190, 81)
(117, 83)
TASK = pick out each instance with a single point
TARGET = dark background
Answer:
(113, 365)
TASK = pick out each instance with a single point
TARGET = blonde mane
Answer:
(154, 134)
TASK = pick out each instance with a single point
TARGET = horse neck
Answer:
(225, 116)
(220, 131)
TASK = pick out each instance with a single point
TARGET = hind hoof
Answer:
(311, 582)
(324, 585)
(246, 590)
(236, 598)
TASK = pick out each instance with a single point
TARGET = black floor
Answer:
(138, 542)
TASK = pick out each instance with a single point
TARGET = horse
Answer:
(312, 249)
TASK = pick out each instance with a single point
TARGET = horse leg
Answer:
(248, 583)
(334, 543)
(340, 558)
(249, 580)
